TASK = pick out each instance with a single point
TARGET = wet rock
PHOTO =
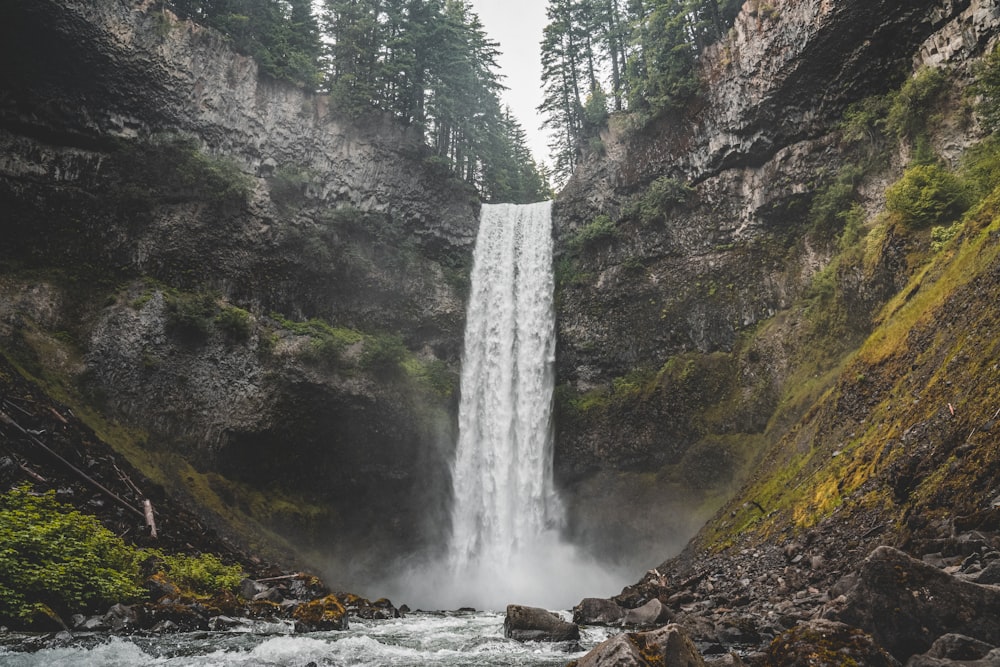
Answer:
(954, 647)
(249, 589)
(122, 618)
(326, 613)
(990, 574)
(670, 645)
(534, 624)
(906, 604)
(159, 587)
(306, 587)
(822, 643)
(597, 611)
(652, 613)
(270, 594)
(174, 617)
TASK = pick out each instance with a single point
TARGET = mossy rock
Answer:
(326, 613)
(263, 609)
(823, 643)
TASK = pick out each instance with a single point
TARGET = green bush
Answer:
(169, 169)
(911, 107)
(981, 166)
(200, 575)
(599, 229)
(926, 195)
(661, 197)
(831, 204)
(55, 558)
(234, 322)
(384, 353)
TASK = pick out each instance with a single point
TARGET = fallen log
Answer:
(6, 419)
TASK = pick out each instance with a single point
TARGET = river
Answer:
(449, 639)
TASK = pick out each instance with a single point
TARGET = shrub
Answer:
(234, 322)
(911, 106)
(927, 195)
(383, 353)
(201, 575)
(55, 558)
(940, 236)
(832, 202)
(599, 229)
(663, 194)
(169, 168)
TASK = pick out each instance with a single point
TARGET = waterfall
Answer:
(506, 514)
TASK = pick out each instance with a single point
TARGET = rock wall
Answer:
(676, 336)
(144, 165)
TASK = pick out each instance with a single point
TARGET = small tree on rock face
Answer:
(927, 195)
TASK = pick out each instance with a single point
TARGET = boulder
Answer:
(597, 611)
(669, 645)
(954, 647)
(823, 643)
(122, 618)
(906, 604)
(650, 614)
(326, 613)
(989, 574)
(534, 624)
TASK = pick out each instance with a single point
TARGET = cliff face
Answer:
(682, 351)
(269, 296)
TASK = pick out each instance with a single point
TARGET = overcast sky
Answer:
(517, 25)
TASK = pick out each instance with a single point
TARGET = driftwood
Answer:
(147, 507)
(6, 419)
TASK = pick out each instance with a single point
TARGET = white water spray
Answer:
(507, 518)
(505, 545)
(505, 504)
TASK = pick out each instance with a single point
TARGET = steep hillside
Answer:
(258, 302)
(719, 266)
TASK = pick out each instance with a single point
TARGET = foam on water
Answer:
(465, 640)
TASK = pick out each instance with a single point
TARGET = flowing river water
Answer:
(446, 639)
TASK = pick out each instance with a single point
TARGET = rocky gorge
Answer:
(258, 305)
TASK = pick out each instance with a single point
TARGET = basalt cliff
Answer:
(259, 303)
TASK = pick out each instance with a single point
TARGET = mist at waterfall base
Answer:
(507, 521)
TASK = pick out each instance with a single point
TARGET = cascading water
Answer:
(506, 510)
(507, 519)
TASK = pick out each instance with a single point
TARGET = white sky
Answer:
(517, 25)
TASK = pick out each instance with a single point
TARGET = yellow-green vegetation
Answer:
(57, 560)
(326, 342)
(829, 456)
(382, 354)
(202, 575)
(234, 322)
